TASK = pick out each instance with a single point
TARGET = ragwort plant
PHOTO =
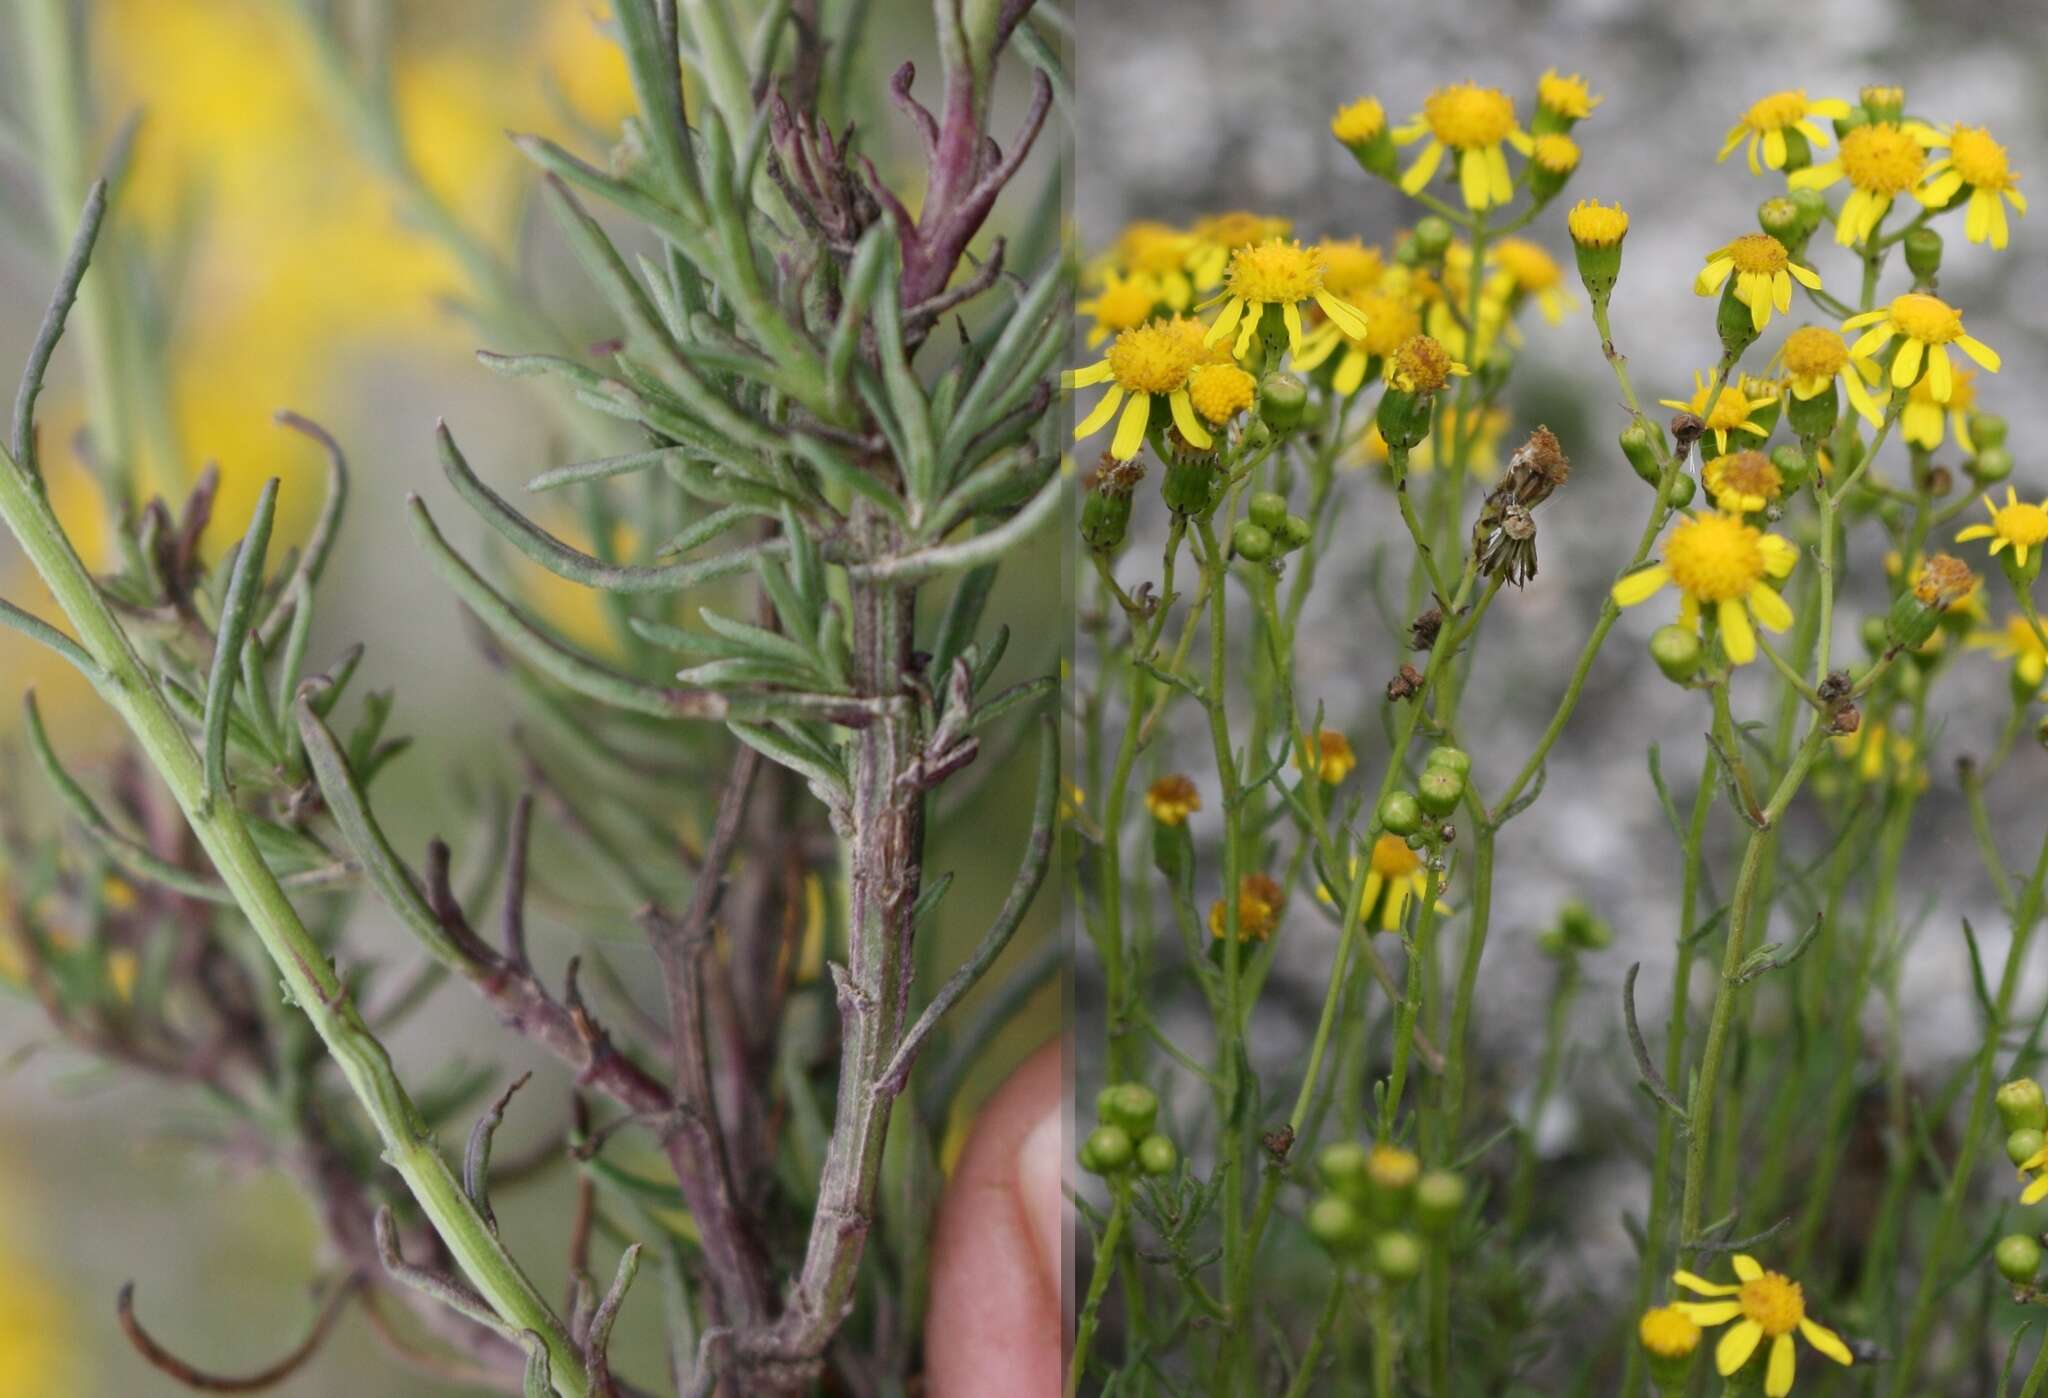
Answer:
(817, 410)
(1796, 479)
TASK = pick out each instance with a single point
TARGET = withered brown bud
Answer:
(1405, 685)
(1834, 688)
(1687, 428)
(1422, 632)
(1845, 720)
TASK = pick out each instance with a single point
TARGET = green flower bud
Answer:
(1991, 463)
(1336, 1223)
(1812, 206)
(1250, 542)
(1403, 417)
(1397, 1256)
(1106, 1151)
(1294, 532)
(1780, 218)
(1192, 486)
(1390, 1175)
(1400, 813)
(1987, 430)
(1734, 322)
(1580, 927)
(2018, 1258)
(1439, 789)
(2022, 1104)
(1677, 651)
(1266, 509)
(1683, 488)
(1813, 417)
(1157, 1155)
(1883, 103)
(1923, 254)
(1432, 237)
(1131, 1105)
(1793, 464)
(1340, 1165)
(1439, 1200)
(2023, 1145)
(1105, 517)
(1282, 398)
(1453, 759)
(1553, 943)
(1641, 441)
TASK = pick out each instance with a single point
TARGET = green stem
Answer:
(1106, 1255)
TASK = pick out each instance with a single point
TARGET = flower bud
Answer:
(2021, 1104)
(1282, 398)
(1991, 463)
(1669, 1337)
(1641, 442)
(1784, 220)
(1597, 233)
(1403, 417)
(1439, 1200)
(2023, 1145)
(1294, 532)
(1884, 103)
(1987, 430)
(1361, 127)
(1677, 651)
(1923, 254)
(1250, 542)
(1157, 1155)
(2018, 1258)
(1191, 486)
(1734, 322)
(1397, 1255)
(1439, 789)
(1400, 813)
(1576, 921)
(1266, 509)
(1815, 417)
(1336, 1223)
(1683, 488)
(1812, 206)
(1453, 759)
(1432, 237)
(1106, 508)
(1340, 1165)
(1106, 1151)
(1390, 1175)
(1794, 465)
(1131, 1105)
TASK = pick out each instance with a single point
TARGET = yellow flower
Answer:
(1881, 161)
(1734, 410)
(1813, 357)
(1394, 875)
(1155, 250)
(1668, 1332)
(1275, 273)
(2036, 1165)
(1742, 482)
(1259, 901)
(1555, 153)
(1596, 225)
(1217, 237)
(1123, 303)
(2019, 643)
(1764, 273)
(1389, 323)
(1565, 95)
(1766, 1306)
(1351, 266)
(1359, 122)
(1221, 391)
(1472, 122)
(1978, 162)
(1769, 118)
(1152, 361)
(1172, 799)
(1718, 561)
(1920, 421)
(2015, 525)
(1421, 365)
(1532, 271)
(1927, 325)
(1392, 1168)
(1334, 760)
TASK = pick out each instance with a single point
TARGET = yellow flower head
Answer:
(2015, 525)
(1123, 303)
(1259, 901)
(1763, 271)
(1742, 482)
(1358, 123)
(1718, 562)
(1532, 271)
(1813, 356)
(2017, 642)
(1668, 1332)
(1334, 758)
(1978, 163)
(1422, 365)
(1921, 420)
(1596, 225)
(1154, 360)
(1276, 273)
(1735, 409)
(1394, 874)
(1565, 95)
(1555, 153)
(1220, 235)
(1172, 799)
(1765, 1306)
(1392, 1168)
(1473, 123)
(1768, 119)
(1881, 161)
(1925, 326)
(1351, 266)
(1390, 321)
(1220, 392)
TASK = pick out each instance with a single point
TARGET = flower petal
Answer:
(1738, 638)
(1104, 411)
(1694, 1282)
(1130, 428)
(1826, 1341)
(1769, 609)
(1190, 426)
(1736, 1347)
(1746, 1267)
(1979, 351)
(1778, 1373)
(1640, 587)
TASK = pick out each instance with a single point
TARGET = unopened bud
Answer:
(1106, 1151)
(1641, 441)
(1337, 1224)
(1991, 463)
(2018, 1258)
(2023, 1145)
(1397, 1256)
(1400, 813)
(1677, 651)
(1432, 237)
(1282, 398)
(1923, 254)
(1157, 1155)
(2022, 1104)
(1251, 543)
